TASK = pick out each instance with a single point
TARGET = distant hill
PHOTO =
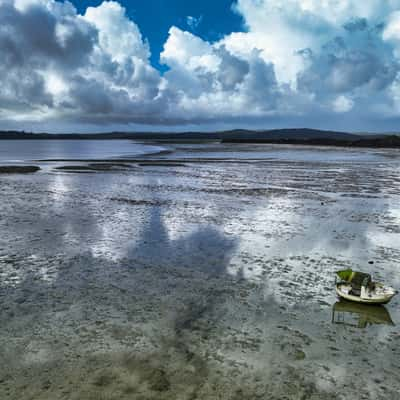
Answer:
(280, 136)
(232, 134)
(320, 138)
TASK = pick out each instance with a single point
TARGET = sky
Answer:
(175, 65)
(210, 19)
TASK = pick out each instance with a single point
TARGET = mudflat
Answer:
(211, 279)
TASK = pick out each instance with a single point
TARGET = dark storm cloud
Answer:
(36, 37)
(356, 66)
(232, 69)
(45, 39)
(356, 24)
(348, 71)
(29, 45)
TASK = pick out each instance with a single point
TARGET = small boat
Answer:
(358, 286)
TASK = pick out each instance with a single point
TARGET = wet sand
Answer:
(208, 280)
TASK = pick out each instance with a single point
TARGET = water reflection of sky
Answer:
(28, 150)
(349, 230)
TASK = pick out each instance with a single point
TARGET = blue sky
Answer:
(177, 65)
(212, 19)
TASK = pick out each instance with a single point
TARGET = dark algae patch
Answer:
(18, 169)
(140, 202)
(94, 167)
(161, 164)
(74, 168)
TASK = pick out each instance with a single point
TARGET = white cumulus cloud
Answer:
(296, 61)
(342, 104)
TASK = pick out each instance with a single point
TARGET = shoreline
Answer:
(296, 136)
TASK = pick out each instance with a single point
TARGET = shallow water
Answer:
(209, 280)
(31, 150)
(280, 152)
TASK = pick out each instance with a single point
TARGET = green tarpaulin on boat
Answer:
(345, 274)
(357, 279)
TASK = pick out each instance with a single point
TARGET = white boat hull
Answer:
(382, 296)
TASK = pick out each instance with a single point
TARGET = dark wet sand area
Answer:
(208, 280)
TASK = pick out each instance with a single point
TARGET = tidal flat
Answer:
(203, 272)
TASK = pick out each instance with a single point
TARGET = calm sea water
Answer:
(15, 151)
(28, 150)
